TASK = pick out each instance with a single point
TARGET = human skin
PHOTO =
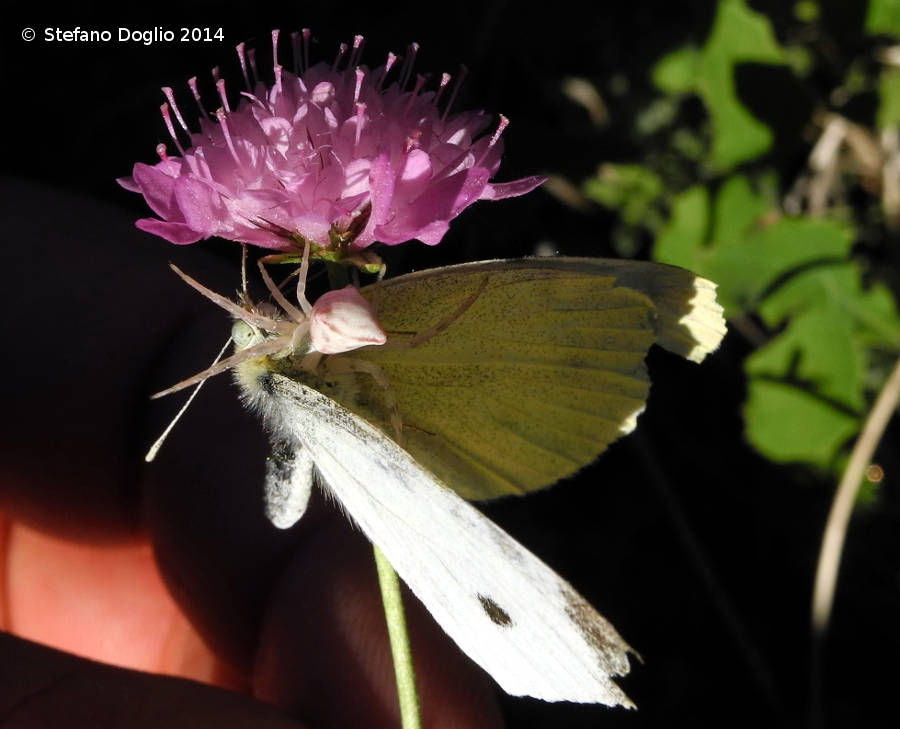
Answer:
(168, 568)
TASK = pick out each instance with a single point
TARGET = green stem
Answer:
(400, 649)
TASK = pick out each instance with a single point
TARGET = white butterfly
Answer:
(507, 610)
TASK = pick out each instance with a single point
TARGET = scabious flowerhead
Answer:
(339, 159)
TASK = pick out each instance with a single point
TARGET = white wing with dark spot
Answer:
(512, 614)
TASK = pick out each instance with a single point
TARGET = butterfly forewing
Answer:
(535, 378)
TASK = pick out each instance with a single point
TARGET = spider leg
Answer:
(292, 311)
(239, 312)
(433, 331)
(350, 365)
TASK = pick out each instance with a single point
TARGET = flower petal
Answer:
(501, 190)
(177, 233)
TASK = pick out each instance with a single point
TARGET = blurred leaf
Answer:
(787, 424)
(883, 17)
(746, 270)
(739, 35)
(870, 312)
(681, 242)
(889, 98)
(807, 385)
(738, 208)
(677, 73)
(806, 11)
(658, 115)
(745, 254)
(629, 189)
(818, 362)
(800, 59)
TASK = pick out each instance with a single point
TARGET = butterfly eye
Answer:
(244, 335)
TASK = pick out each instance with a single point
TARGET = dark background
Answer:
(699, 551)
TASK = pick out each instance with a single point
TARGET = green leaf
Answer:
(681, 241)
(738, 208)
(889, 98)
(745, 254)
(819, 361)
(808, 384)
(739, 35)
(630, 189)
(817, 346)
(677, 72)
(787, 424)
(746, 270)
(883, 17)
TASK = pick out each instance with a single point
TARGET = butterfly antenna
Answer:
(154, 449)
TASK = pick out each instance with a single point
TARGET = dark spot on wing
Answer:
(497, 614)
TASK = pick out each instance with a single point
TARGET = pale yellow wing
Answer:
(535, 378)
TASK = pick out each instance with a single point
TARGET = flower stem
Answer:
(400, 649)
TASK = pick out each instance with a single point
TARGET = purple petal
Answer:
(501, 190)
(158, 190)
(128, 183)
(202, 209)
(177, 233)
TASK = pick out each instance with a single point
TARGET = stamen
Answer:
(220, 115)
(251, 59)
(420, 81)
(360, 119)
(162, 151)
(277, 70)
(463, 72)
(342, 49)
(192, 83)
(220, 87)
(412, 141)
(275, 34)
(357, 51)
(215, 74)
(445, 79)
(391, 60)
(408, 63)
(305, 35)
(360, 75)
(243, 59)
(164, 110)
(295, 51)
(504, 122)
(170, 97)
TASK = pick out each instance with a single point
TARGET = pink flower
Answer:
(330, 157)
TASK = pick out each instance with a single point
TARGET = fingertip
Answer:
(324, 654)
(42, 687)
